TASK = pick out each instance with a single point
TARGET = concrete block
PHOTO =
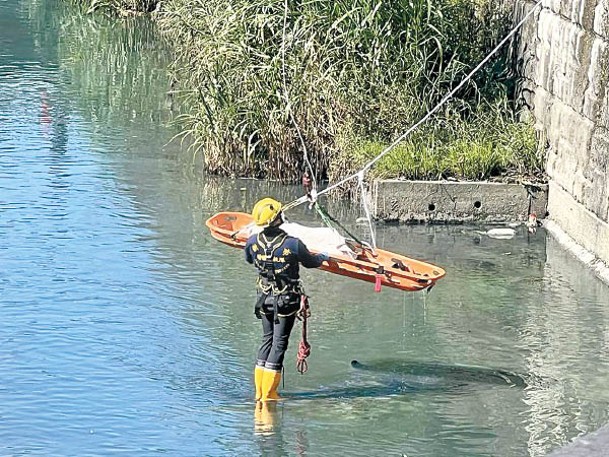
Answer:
(601, 19)
(563, 165)
(571, 57)
(605, 204)
(582, 187)
(454, 202)
(553, 5)
(595, 193)
(598, 171)
(526, 41)
(571, 130)
(526, 99)
(542, 104)
(581, 12)
(599, 150)
(602, 119)
(598, 77)
(545, 54)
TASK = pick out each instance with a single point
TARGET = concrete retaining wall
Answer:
(564, 60)
(454, 202)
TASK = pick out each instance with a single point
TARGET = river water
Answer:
(127, 330)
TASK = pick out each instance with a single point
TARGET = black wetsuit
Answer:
(277, 256)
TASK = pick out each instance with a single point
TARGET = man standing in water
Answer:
(276, 256)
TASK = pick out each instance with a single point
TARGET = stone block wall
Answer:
(563, 57)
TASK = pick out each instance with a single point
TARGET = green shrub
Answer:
(477, 149)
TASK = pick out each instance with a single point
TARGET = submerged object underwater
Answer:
(444, 373)
(398, 377)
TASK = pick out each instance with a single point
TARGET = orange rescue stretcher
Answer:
(373, 265)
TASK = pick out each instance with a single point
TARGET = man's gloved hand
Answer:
(324, 256)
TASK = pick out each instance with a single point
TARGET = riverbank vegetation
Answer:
(349, 77)
(114, 73)
(120, 7)
(117, 72)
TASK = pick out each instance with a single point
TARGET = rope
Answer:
(287, 100)
(329, 221)
(424, 119)
(304, 348)
(360, 179)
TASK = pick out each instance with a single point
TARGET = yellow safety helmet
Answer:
(266, 211)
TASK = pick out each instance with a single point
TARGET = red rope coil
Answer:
(304, 348)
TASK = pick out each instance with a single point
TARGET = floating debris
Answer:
(500, 233)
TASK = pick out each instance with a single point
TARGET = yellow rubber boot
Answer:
(258, 375)
(270, 382)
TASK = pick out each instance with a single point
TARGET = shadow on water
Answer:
(396, 377)
(438, 372)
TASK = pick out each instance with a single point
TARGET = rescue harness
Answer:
(273, 281)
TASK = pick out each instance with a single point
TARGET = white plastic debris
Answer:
(500, 233)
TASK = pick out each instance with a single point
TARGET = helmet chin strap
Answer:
(280, 219)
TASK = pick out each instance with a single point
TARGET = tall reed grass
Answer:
(120, 7)
(358, 74)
